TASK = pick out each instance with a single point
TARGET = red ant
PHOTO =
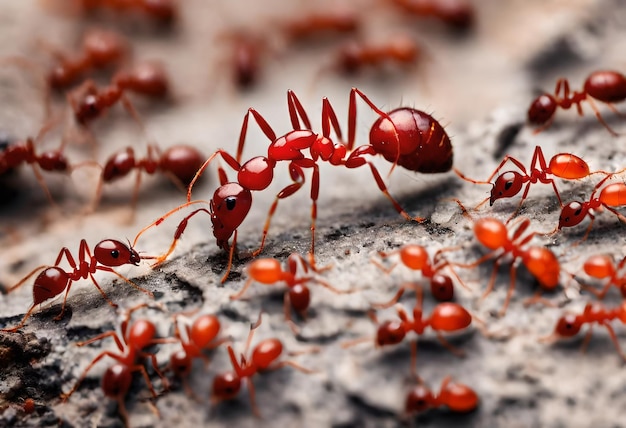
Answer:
(415, 257)
(199, 336)
(308, 26)
(246, 54)
(163, 11)
(607, 87)
(100, 49)
(179, 163)
(404, 136)
(447, 316)
(147, 78)
(570, 324)
(53, 280)
(264, 357)
(602, 266)
(613, 195)
(508, 184)
(131, 342)
(457, 397)
(539, 261)
(269, 271)
(458, 14)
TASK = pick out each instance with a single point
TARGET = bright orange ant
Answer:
(199, 336)
(607, 87)
(445, 317)
(570, 324)
(602, 266)
(508, 184)
(539, 261)
(404, 136)
(458, 14)
(270, 271)
(457, 397)
(179, 163)
(613, 195)
(415, 257)
(146, 78)
(100, 49)
(53, 280)
(264, 357)
(132, 342)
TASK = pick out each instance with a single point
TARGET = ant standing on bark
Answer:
(404, 136)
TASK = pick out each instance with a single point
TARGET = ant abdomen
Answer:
(606, 86)
(49, 283)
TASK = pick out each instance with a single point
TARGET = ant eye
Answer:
(230, 203)
(115, 254)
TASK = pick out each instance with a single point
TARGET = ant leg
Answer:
(393, 300)
(23, 280)
(231, 255)
(456, 351)
(155, 366)
(144, 373)
(413, 369)
(265, 127)
(251, 391)
(296, 110)
(130, 108)
(352, 115)
(329, 118)
(234, 164)
(287, 311)
(134, 200)
(67, 291)
(614, 339)
(492, 279)
(615, 110)
(600, 118)
(292, 365)
(243, 290)
(82, 377)
(509, 293)
(104, 335)
(42, 183)
(108, 269)
(21, 324)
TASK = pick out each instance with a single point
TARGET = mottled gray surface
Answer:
(479, 85)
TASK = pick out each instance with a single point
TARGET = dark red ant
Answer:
(570, 324)
(132, 342)
(179, 163)
(404, 136)
(445, 317)
(53, 280)
(457, 397)
(602, 266)
(415, 257)
(146, 78)
(247, 52)
(613, 195)
(264, 357)
(162, 11)
(539, 261)
(100, 49)
(607, 87)
(198, 336)
(270, 271)
(458, 14)
(508, 184)
(321, 23)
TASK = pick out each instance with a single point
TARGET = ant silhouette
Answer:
(539, 261)
(53, 280)
(269, 271)
(607, 87)
(570, 324)
(457, 397)
(613, 195)
(404, 136)
(132, 342)
(415, 257)
(264, 357)
(508, 184)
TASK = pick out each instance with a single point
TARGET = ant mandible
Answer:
(457, 397)
(613, 195)
(270, 271)
(199, 336)
(602, 266)
(570, 324)
(607, 87)
(131, 342)
(53, 280)
(445, 317)
(458, 14)
(539, 261)
(508, 184)
(179, 163)
(264, 357)
(100, 49)
(404, 136)
(147, 78)
(415, 257)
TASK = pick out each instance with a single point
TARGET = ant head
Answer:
(88, 109)
(116, 380)
(300, 297)
(568, 325)
(542, 109)
(115, 253)
(572, 214)
(204, 329)
(266, 352)
(441, 287)
(390, 333)
(507, 185)
(229, 208)
(491, 232)
(180, 363)
(141, 334)
(419, 399)
(226, 386)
